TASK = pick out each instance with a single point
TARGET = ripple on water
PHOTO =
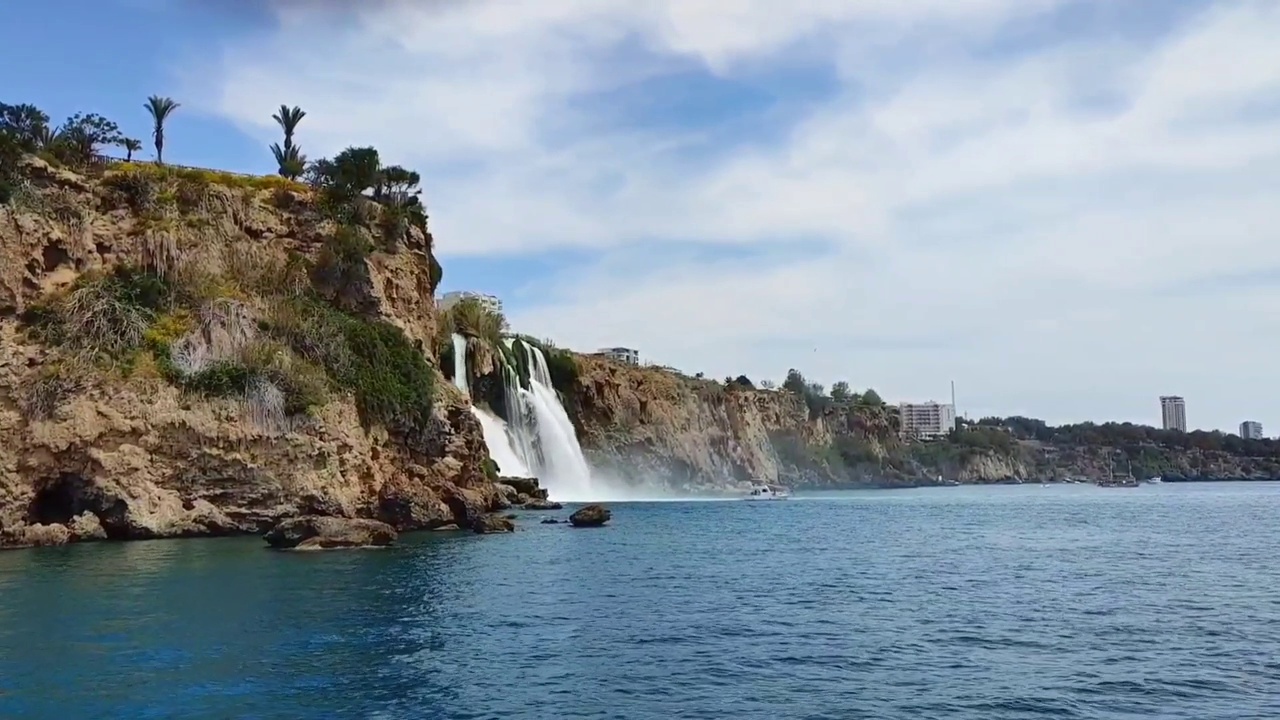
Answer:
(984, 603)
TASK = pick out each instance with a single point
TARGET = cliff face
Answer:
(698, 435)
(651, 425)
(95, 448)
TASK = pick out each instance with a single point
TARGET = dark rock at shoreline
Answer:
(511, 516)
(590, 516)
(550, 521)
(317, 532)
(492, 524)
(542, 505)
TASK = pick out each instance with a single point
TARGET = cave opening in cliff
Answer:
(55, 500)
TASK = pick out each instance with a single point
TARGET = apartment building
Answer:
(926, 421)
(1251, 430)
(629, 356)
(1173, 413)
(490, 302)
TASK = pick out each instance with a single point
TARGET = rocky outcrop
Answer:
(101, 450)
(489, 524)
(315, 532)
(590, 516)
(653, 426)
(648, 424)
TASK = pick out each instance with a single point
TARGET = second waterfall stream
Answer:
(540, 441)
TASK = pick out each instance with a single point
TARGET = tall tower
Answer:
(1173, 413)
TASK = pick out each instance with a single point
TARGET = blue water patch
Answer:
(960, 603)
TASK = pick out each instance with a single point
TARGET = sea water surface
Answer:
(969, 603)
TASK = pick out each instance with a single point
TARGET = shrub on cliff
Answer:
(105, 316)
(390, 378)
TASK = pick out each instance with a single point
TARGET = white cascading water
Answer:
(496, 437)
(564, 468)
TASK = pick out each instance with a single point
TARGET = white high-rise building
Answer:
(926, 421)
(1173, 413)
(1251, 430)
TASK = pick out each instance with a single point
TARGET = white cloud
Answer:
(964, 204)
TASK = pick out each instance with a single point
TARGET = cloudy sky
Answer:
(1068, 207)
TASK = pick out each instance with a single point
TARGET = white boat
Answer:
(1157, 480)
(768, 492)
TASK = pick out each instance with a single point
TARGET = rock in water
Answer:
(542, 505)
(550, 521)
(525, 486)
(492, 524)
(314, 532)
(590, 516)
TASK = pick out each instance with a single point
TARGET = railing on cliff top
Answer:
(107, 161)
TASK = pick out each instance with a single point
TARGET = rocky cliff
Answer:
(651, 425)
(192, 353)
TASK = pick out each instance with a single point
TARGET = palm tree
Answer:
(288, 118)
(46, 137)
(291, 162)
(130, 146)
(160, 108)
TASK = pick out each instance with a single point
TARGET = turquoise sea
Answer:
(971, 603)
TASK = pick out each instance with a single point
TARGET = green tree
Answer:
(398, 184)
(81, 135)
(871, 397)
(840, 391)
(289, 158)
(131, 146)
(357, 169)
(24, 124)
(291, 163)
(160, 109)
(795, 382)
(288, 118)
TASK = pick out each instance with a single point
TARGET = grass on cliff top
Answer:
(175, 179)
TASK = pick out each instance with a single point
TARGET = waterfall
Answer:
(538, 438)
(460, 364)
(565, 470)
(496, 437)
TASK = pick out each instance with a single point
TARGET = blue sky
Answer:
(1066, 206)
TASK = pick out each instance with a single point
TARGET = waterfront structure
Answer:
(1173, 413)
(926, 421)
(1251, 430)
(629, 356)
(489, 302)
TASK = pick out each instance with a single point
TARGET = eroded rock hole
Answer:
(54, 256)
(55, 500)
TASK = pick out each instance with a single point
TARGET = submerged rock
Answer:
(550, 521)
(590, 516)
(492, 524)
(542, 505)
(314, 532)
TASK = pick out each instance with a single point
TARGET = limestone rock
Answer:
(590, 516)
(128, 455)
(86, 526)
(524, 486)
(314, 532)
(542, 505)
(492, 524)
